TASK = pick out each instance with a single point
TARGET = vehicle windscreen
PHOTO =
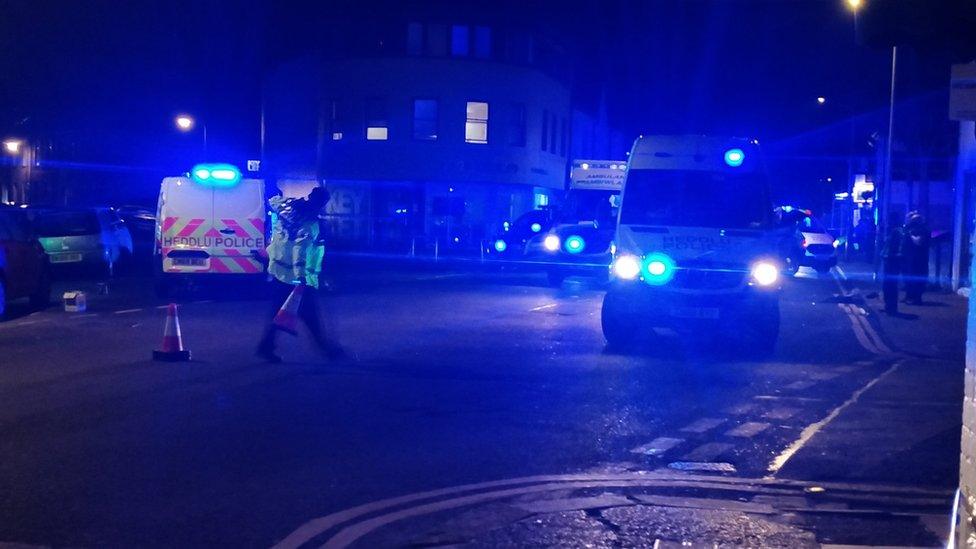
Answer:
(67, 224)
(587, 205)
(687, 198)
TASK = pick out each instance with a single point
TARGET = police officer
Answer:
(295, 256)
(915, 268)
(892, 255)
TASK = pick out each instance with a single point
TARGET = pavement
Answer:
(480, 408)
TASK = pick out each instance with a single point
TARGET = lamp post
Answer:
(185, 123)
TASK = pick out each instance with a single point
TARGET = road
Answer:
(463, 378)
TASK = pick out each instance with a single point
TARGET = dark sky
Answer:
(101, 69)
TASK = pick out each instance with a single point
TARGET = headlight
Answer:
(765, 273)
(500, 246)
(837, 244)
(626, 267)
(551, 243)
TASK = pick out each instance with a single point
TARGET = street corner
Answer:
(638, 509)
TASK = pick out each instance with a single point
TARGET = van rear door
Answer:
(185, 218)
(237, 234)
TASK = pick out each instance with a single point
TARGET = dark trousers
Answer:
(308, 311)
(890, 277)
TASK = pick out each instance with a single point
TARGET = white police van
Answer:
(695, 248)
(209, 223)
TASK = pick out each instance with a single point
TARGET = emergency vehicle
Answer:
(211, 222)
(695, 248)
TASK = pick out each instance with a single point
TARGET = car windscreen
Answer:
(67, 224)
(688, 198)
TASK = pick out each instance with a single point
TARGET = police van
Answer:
(211, 222)
(695, 247)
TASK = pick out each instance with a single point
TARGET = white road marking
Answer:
(748, 429)
(702, 425)
(708, 451)
(89, 315)
(541, 307)
(866, 335)
(824, 376)
(800, 385)
(318, 526)
(811, 430)
(126, 311)
(717, 467)
(781, 413)
(862, 337)
(658, 446)
(741, 409)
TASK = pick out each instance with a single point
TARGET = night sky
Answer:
(115, 73)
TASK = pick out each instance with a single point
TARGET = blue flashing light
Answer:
(658, 269)
(575, 244)
(216, 175)
(500, 246)
(535, 227)
(734, 157)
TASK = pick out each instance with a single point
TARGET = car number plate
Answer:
(189, 262)
(709, 313)
(65, 258)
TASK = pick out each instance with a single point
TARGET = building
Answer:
(424, 129)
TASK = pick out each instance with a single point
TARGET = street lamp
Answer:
(854, 5)
(821, 100)
(12, 146)
(185, 123)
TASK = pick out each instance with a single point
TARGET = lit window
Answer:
(482, 42)
(476, 123)
(517, 136)
(376, 129)
(425, 119)
(415, 39)
(459, 40)
(377, 133)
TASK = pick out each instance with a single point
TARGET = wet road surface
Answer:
(463, 379)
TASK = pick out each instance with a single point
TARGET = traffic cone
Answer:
(172, 350)
(287, 317)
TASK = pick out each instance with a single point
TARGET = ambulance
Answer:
(210, 222)
(695, 248)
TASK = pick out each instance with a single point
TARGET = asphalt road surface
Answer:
(486, 407)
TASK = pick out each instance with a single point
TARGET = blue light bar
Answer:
(216, 175)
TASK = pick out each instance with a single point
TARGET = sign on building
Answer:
(253, 165)
(605, 175)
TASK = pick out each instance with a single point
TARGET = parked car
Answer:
(92, 238)
(24, 268)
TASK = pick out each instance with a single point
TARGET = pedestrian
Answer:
(295, 256)
(891, 267)
(915, 269)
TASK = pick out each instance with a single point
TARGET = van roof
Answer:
(693, 152)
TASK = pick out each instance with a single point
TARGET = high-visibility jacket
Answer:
(295, 253)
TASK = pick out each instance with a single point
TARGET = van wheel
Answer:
(616, 318)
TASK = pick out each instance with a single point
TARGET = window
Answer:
(517, 128)
(415, 39)
(482, 42)
(553, 127)
(425, 119)
(437, 40)
(564, 136)
(376, 129)
(545, 129)
(476, 123)
(335, 124)
(459, 40)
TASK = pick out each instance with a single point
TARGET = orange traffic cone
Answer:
(287, 317)
(172, 350)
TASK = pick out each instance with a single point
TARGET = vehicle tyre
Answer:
(823, 269)
(556, 278)
(616, 318)
(792, 266)
(162, 283)
(41, 297)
